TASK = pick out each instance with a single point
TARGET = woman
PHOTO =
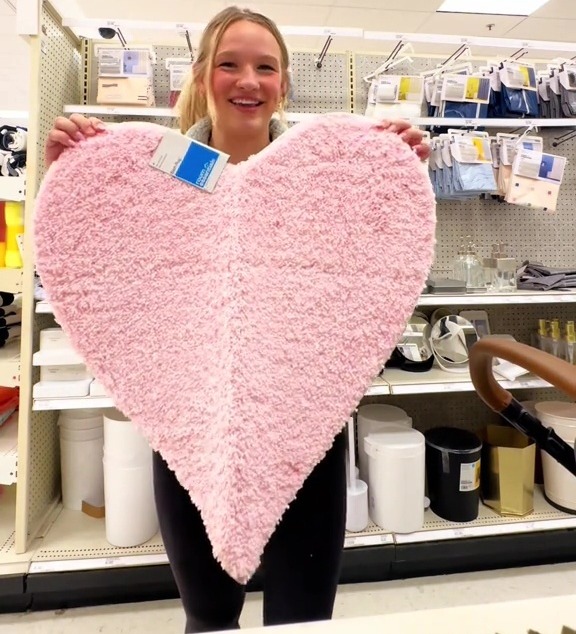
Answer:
(239, 81)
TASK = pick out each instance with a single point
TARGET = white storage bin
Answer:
(559, 483)
(396, 476)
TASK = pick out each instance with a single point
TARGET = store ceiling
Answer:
(555, 21)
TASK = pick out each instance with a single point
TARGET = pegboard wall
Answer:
(531, 234)
(60, 82)
(314, 90)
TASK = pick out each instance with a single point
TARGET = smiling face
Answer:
(247, 82)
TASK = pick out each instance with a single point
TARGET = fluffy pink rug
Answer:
(238, 329)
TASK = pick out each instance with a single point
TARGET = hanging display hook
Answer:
(109, 33)
(568, 136)
(323, 52)
(189, 44)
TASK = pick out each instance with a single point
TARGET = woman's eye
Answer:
(267, 67)
(225, 64)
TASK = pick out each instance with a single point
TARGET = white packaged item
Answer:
(64, 373)
(61, 389)
(372, 419)
(396, 476)
(54, 339)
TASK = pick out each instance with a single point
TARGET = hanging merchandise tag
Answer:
(536, 165)
(518, 76)
(178, 74)
(471, 149)
(189, 160)
(469, 88)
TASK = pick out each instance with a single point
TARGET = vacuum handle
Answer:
(559, 373)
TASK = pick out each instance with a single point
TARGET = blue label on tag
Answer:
(197, 165)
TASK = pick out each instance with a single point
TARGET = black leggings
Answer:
(300, 565)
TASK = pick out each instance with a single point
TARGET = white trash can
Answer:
(559, 483)
(370, 420)
(396, 477)
(81, 452)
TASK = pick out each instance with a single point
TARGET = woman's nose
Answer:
(248, 79)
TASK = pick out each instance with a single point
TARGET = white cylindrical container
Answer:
(370, 420)
(80, 418)
(123, 443)
(396, 475)
(82, 476)
(131, 517)
(559, 483)
(357, 507)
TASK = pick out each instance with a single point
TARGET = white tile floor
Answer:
(353, 600)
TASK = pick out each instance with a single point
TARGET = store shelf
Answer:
(11, 280)
(9, 450)
(10, 365)
(497, 299)
(13, 188)
(75, 541)
(45, 404)
(489, 523)
(436, 381)
(10, 562)
(543, 518)
(379, 387)
(302, 116)
(494, 123)
(143, 111)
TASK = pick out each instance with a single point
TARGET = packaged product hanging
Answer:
(536, 179)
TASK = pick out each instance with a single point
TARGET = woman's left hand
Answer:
(408, 134)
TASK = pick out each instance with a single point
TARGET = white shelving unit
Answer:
(295, 117)
(10, 365)
(13, 188)
(9, 451)
(51, 404)
(73, 541)
(436, 381)
(499, 299)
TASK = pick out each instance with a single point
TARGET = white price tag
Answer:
(529, 526)
(112, 562)
(459, 532)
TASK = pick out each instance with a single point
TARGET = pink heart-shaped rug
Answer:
(238, 329)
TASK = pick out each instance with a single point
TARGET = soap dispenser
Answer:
(505, 270)
(458, 271)
(473, 269)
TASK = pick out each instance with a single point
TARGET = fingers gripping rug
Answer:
(238, 329)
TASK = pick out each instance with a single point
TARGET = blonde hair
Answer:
(194, 104)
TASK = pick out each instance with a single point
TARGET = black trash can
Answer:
(453, 473)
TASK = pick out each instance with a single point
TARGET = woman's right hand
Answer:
(68, 132)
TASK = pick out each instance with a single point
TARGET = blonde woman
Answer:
(239, 81)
